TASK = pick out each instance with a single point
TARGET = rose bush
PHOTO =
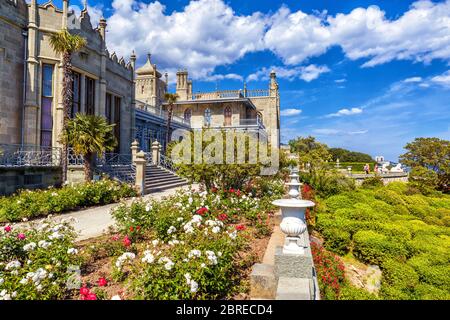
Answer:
(36, 263)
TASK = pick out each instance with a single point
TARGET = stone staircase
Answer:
(159, 179)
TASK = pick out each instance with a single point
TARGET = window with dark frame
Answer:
(76, 98)
(108, 107)
(90, 95)
(46, 105)
(117, 103)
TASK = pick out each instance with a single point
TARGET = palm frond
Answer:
(65, 42)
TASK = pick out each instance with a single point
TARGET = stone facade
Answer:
(13, 21)
(23, 107)
(13, 179)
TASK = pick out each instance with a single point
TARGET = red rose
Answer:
(222, 217)
(232, 190)
(126, 241)
(138, 228)
(84, 291)
(202, 211)
(240, 227)
(102, 282)
(7, 228)
(91, 296)
(131, 229)
(21, 236)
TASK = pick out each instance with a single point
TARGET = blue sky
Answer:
(364, 75)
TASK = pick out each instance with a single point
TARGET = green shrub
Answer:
(390, 197)
(399, 274)
(337, 240)
(31, 204)
(373, 247)
(339, 201)
(349, 292)
(372, 182)
(435, 274)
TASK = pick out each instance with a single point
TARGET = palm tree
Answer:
(65, 43)
(89, 135)
(171, 98)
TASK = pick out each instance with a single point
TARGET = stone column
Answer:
(140, 164)
(156, 150)
(134, 150)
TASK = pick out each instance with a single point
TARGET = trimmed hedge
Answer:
(31, 204)
(405, 233)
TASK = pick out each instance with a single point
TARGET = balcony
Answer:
(158, 112)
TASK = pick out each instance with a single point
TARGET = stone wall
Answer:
(13, 179)
(387, 177)
(12, 44)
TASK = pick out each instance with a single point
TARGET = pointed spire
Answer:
(85, 4)
(149, 56)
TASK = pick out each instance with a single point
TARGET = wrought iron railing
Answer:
(14, 155)
(166, 163)
(257, 93)
(117, 165)
(149, 157)
(74, 159)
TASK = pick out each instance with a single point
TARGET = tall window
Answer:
(117, 102)
(227, 115)
(187, 114)
(90, 96)
(46, 105)
(108, 107)
(76, 90)
(207, 117)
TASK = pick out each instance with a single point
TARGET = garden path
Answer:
(93, 222)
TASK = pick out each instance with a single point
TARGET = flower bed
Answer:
(34, 263)
(193, 245)
(31, 204)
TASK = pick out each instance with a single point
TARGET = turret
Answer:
(273, 88)
(133, 60)
(102, 28)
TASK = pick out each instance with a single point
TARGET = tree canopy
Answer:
(345, 155)
(310, 151)
(432, 154)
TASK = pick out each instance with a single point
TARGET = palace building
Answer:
(31, 78)
(31, 75)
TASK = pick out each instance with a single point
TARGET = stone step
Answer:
(165, 187)
(154, 184)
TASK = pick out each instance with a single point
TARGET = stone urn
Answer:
(293, 223)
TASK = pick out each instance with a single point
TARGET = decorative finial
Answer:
(85, 4)
(149, 56)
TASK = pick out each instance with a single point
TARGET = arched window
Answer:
(142, 90)
(207, 117)
(227, 115)
(187, 114)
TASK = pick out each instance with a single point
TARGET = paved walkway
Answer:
(94, 221)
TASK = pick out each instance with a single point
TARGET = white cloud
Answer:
(413, 79)
(340, 80)
(208, 33)
(345, 112)
(290, 112)
(337, 132)
(306, 73)
(203, 35)
(443, 79)
(421, 34)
